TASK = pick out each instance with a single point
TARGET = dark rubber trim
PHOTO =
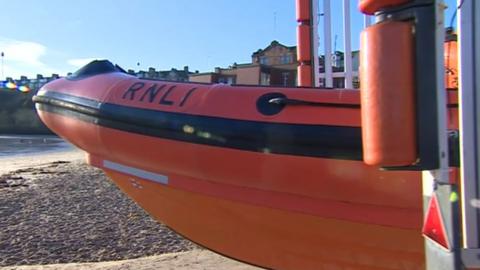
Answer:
(336, 142)
(324, 141)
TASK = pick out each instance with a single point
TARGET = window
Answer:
(285, 78)
(226, 80)
(263, 60)
(264, 78)
(286, 59)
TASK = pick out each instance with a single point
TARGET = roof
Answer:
(201, 74)
(273, 44)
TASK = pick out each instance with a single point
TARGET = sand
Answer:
(191, 260)
(56, 212)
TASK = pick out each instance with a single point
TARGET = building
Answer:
(35, 83)
(169, 75)
(274, 65)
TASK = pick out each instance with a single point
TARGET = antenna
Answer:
(335, 44)
(274, 23)
(3, 55)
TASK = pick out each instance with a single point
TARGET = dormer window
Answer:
(263, 60)
(286, 59)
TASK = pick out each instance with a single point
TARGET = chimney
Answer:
(185, 68)
(217, 70)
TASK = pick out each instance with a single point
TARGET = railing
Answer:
(348, 74)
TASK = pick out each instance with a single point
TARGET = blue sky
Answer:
(54, 36)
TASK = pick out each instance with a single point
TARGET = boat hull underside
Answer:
(337, 215)
(275, 238)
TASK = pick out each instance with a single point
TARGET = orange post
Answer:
(304, 45)
(451, 61)
(303, 41)
(304, 75)
(303, 10)
(388, 95)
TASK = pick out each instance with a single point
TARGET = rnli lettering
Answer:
(164, 100)
(155, 93)
(131, 91)
(184, 99)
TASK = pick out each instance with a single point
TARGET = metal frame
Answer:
(347, 45)
(337, 74)
(442, 173)
(433, 136)
(469, 40)
(315, 44)
(348, 73)
(432, 121)
(468, 120)
(327, 37)
(367, 21)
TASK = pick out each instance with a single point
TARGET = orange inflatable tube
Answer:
(304, 75)
(303, 10)
(304, 44)
(387, 95)
(267, 175)
(371, 6)
(303, 41)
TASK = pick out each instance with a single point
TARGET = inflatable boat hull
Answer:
(269, 176)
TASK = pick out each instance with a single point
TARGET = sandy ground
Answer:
(29, 240)
(191, 260)
(9, 164)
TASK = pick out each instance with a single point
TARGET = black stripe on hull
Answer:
(323, 141)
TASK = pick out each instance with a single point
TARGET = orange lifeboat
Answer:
(267, 175)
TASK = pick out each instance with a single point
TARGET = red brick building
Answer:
(274, 65)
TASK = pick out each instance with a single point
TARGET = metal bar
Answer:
(338, 75)
(442, 174)
(315, 44)
(468, 124)
(327, 25)
(347, 45)
(440, 258)
(367, 21)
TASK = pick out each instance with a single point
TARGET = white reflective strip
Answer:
(159, 178)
